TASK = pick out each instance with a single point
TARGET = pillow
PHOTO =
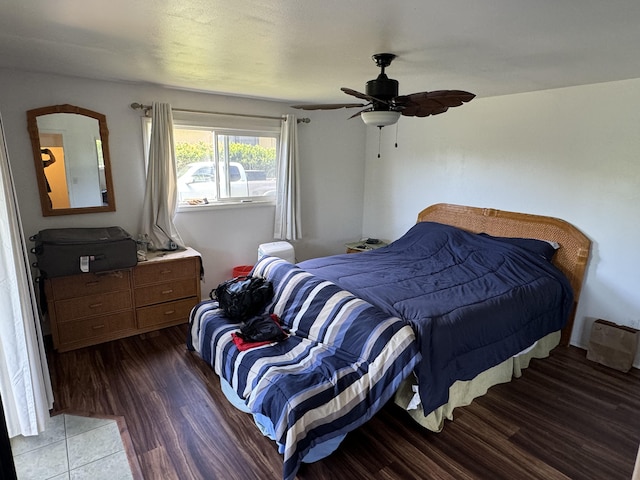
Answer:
(545, 248)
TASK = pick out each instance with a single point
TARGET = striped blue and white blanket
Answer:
(344, 359)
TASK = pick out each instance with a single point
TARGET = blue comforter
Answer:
(472, 300)
(344, 359)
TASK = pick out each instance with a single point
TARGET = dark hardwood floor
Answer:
(565, 418)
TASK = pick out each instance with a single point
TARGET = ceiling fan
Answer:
(385, 106)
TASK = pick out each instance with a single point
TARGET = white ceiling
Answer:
(305, 50)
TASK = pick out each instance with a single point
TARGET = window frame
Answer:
(229, 126)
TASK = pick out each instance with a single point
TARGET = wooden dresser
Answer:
(91, 308)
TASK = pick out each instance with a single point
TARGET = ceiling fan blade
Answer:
(423, 104)
(359, 113)
(363, 96)
(355, 93)
(328, 106)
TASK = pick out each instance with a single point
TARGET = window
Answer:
(215, 166)
(225, 159)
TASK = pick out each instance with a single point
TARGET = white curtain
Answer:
(287, 222)
(24, 376)
(160, 198)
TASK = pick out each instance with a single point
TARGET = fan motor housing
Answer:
(384, 88)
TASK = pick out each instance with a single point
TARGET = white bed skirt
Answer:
(462, 393)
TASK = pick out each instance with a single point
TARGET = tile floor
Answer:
(72, 448)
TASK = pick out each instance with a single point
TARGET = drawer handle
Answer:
(95, 305)
(98, 327)
(166, 292)
(91, 284)
(164, 272)
(170, 312)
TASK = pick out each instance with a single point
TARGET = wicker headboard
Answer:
(571, 258)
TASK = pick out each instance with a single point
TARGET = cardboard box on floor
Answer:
(613, 345)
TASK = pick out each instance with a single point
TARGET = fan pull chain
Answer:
(380, 138)
(397, 135)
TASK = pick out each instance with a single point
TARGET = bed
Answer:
(355, 342)
(453, 379)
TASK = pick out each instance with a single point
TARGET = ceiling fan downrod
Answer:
(383, 89)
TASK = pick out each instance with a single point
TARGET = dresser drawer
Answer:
(103, 327)
(90, 308)
(89, 283)
(156, 272)
(164, 292)
(90, 305)
(166, 313)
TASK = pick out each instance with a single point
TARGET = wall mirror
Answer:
(71, 153)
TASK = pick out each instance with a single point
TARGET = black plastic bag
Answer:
(243, 297)
(263, 328)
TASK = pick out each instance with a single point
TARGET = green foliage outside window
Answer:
(251, 157)
(189, 152)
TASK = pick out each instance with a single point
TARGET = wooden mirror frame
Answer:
(32, 125)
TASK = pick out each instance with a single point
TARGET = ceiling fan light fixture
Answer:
(380, 118)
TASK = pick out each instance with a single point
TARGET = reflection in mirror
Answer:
(71, 153)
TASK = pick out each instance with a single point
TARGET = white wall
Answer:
(570, 153)
(332, 165)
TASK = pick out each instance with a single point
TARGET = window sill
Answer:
(225, 205)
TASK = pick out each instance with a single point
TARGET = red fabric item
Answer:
(242, 345)
(276, 319)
